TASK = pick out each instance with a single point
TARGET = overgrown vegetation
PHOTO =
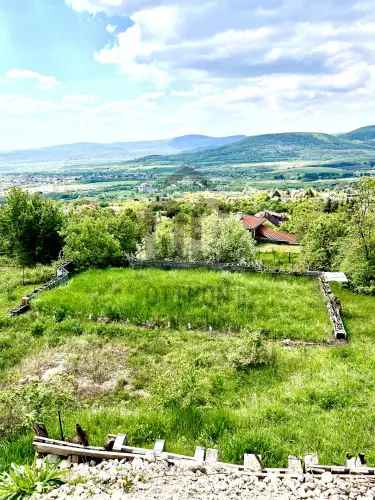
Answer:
(192, 356)
(282, 307)
(239, 392)
(23, 480)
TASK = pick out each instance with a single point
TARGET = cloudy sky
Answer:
(112, 70)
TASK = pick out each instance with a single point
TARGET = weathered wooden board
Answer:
(159, 446)
(252, 462)
(120, 440)
(212, 455)
(199, 454)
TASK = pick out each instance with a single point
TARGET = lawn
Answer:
(282, 307)
(191, 387)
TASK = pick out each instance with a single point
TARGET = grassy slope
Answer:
(281, 306)
(183, 387)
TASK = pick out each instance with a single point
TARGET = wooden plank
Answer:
(351, 462)
(212, 455)
(159, 446)
(66, 451)
(119, 441)
(199, 454)
(252, 462)
(63, 443)
(295, 465)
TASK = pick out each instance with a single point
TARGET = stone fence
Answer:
(255, 268)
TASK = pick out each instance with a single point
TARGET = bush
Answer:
(22, 481)
(20, 407)
(252, 352)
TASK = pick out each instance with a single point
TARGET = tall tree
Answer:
(358, 254)
(30, 227)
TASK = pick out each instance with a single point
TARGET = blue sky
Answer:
(112, 70)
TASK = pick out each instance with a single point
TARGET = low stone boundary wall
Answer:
(163, 264)
(333, 304)
(62, 275)
(334, 310)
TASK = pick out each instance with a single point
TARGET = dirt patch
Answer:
(92, 365)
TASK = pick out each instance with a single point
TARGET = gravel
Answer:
(157, 479)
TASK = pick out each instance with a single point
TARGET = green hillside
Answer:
(273, 147)
(361, 134)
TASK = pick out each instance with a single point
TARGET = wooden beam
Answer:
(212, 455)
(120, 440)
(159, 446)
(199, 454)
(66, 451)
(295, 465)
(252, 462)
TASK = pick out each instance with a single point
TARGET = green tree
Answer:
(358, 253)
(100, 238)
(164, 240)
(225, 240)
(88, 242)
(321, 243)
(30, 227)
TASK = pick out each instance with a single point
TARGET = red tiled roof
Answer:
(252, 222)
(280, 236)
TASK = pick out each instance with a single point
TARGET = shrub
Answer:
(22, 481)
(37, 328)
(20, 407)
(251, 352)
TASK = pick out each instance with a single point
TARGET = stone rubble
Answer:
(158, 479)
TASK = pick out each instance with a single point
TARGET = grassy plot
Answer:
(193, 388)
(238, 392)
(282, 307)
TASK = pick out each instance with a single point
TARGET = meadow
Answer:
(239, 392)
(282, 307)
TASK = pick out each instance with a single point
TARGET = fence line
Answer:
(254, 268)
(62, 275)
(333, 303)
(334, 310)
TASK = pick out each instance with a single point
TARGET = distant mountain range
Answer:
(117, 151)
(201, 150)
(302, 146)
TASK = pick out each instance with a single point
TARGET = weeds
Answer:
(23, 480)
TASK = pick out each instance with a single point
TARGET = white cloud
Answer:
(134, 48)
(45, 82)
(223, 67)
(94, 6)
(110, 28)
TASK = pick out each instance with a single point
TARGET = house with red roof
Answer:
(261, 230)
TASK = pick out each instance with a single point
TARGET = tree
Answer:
(127, 229)
(321, 243)
(30, 227)
(302, 214)
(358, 253)
(88, 243)
(101, 238)
(225, 240)
(165, 245)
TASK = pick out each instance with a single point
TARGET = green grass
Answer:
(282, 307)
(183, 385)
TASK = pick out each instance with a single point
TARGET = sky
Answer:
(117, 70)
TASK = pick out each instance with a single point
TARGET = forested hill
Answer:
(361, 134)
(116, 151)
(274, 147)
